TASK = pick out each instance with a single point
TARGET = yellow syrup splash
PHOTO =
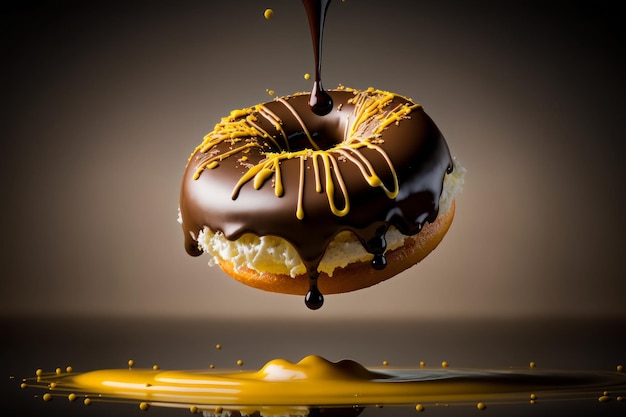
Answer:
(282, 387)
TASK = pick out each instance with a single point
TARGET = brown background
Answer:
(102, 102)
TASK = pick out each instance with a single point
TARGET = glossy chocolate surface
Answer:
(416, 149)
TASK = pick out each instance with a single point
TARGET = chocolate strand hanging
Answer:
(320, 101)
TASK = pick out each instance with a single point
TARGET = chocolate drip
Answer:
(313, 298)
(377, 246)
(320, 101)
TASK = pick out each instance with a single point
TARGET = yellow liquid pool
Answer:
(303, 388)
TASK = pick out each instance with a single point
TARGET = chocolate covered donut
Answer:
(376, 161)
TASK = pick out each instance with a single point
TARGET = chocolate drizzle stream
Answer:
(320, 102)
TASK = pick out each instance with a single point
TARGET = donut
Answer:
(289, 201)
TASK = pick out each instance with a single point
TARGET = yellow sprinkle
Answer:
(53, 385)
(131, 363)
(533, 397)
(58, 371)
(23, 385)
(238, 113)
(481, 406)
(144, 406)
(422, 364)
(270, 92)
(47, 397)
(419, 407)
(532, 364)
(72, 397)
(239, 362)
(620, 368)
(211, 366)
(218, 346)
(212, 165)
(620, 398)
(69, 369)
(268, 14)
(39, 372)
(155, 367)
(444, 364)
(193, 409)
(307, 76)
(87, 401)
(604, 398)
(385, 363)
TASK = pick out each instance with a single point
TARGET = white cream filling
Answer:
(277, 256)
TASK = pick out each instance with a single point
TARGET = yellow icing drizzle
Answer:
(363, 129)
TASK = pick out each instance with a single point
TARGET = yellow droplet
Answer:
(47, 397)
(193, 409)
(268, 14)
(444, 364)
(144, 406)
(270, 92)
(39, 372)
(155, 367)
(532, 364)
(481, 406)
(23, 385)
(419, 407)
(218, 346)
(53, 385)
(533, 397)
(620, 398)
(239, 362)
(307, 76)
(385, 363)
(422, 364)
(87, 401)
(72, 397)
(58, 371)
(131, 363)
(69, 369)
(211, 366)
(604, 398)
(620, 368)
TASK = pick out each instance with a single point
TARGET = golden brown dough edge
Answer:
(356, 275)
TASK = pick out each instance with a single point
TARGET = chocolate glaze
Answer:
(214, 195)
